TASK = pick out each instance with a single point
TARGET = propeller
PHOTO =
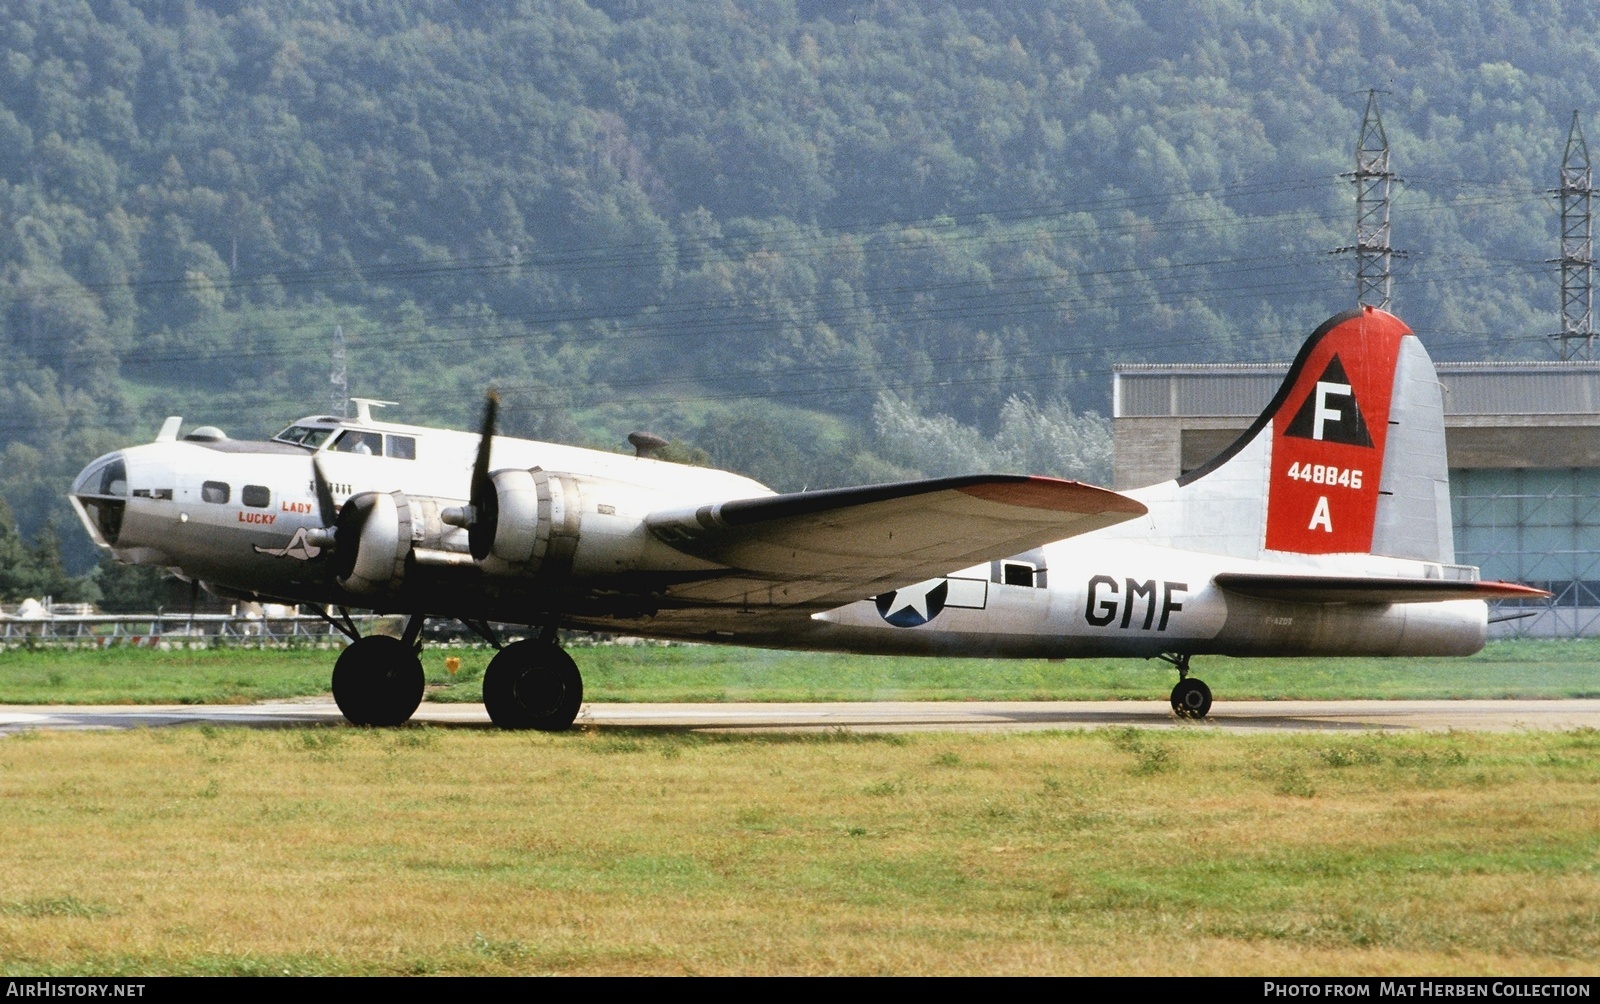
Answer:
(347, 529)
(324, 536)
(484, 503)
(319, 480)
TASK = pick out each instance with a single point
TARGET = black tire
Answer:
(1191, 699)
(378, 681)
(532, 685)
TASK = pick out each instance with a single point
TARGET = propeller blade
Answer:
(480, 466)
(347, 534)
(484, 501)
(325, 507)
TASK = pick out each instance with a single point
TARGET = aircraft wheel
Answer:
(1191, 699)
(378, 681)
(532, 685)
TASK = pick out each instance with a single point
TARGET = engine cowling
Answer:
(371, 540)
(536, 527)
(530, 525)
(549, 527)
(378, 535)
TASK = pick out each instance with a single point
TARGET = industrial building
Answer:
(1523, 440)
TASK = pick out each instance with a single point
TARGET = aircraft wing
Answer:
(825, 548)
(1368, 589)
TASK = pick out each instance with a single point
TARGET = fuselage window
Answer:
(215, 491)
(401, 447)
(364, 443)
(1018, 575)
(256, 496)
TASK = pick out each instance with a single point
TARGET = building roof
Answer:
(1220, 390)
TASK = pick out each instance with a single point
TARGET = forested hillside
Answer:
(807, 237)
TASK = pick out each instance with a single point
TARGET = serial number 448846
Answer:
(1325, 474)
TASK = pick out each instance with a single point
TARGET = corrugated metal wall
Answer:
(1539, 527)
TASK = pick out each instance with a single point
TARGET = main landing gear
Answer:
(533, 684)
(529, 684)
(378, 679)
(1190, 698)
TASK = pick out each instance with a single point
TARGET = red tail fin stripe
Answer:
(1328, 436)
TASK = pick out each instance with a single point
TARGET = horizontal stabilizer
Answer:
(1368, 588)
(848, 543)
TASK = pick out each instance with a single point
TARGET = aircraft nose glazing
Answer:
(100, 494)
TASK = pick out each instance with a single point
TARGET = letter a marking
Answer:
(1321, 517)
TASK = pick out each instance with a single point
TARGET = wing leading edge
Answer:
(829, 547)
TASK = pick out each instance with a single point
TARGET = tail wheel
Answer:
(378, 680)
(533, 685)
(1191, 699)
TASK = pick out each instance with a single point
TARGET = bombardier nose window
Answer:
(114, 480)
(102, 493)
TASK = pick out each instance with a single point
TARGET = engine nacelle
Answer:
(550, 527)
(538, 527)
(532, 525)
(378, 534)
(370, 552)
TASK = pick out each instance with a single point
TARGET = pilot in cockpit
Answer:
(364, 444)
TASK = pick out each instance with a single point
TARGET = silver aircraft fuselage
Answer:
(242, 518)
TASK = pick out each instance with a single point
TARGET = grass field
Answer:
(713, 673)
(428, 850)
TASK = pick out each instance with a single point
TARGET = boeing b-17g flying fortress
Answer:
(1324, 530)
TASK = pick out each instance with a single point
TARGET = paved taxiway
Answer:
(904, 716)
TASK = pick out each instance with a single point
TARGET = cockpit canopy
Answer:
(339, 439)
(312, 436)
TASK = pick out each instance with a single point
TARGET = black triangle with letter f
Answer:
(1330, 413)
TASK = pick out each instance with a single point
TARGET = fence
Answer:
(170, 629)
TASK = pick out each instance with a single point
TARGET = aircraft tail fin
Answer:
(1349, 457)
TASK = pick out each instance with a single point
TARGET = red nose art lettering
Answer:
(266, 518)
(295, 506)
(1328, 439)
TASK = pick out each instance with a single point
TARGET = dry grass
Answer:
(423, 850)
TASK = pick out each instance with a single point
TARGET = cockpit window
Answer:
(214, 491)
(256, 496)
(304, 435)
(401, 447)
(356, 441)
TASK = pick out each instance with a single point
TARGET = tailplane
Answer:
(1348, 458)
